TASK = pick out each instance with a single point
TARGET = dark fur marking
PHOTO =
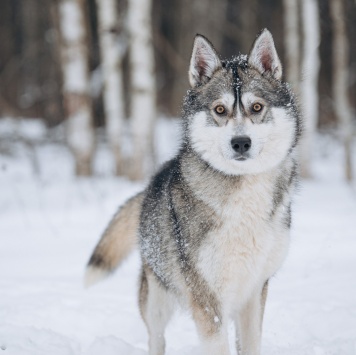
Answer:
(283, 184)
(143, 293)
(287, 220)
(236, 82)
(98, 261)
(161, 178)
(177, 233)
(152, 220)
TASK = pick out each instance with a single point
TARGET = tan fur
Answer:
(116, 243)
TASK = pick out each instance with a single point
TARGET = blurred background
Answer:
(102, 72)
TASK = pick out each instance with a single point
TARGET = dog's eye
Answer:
(220, 110)
(256, 107)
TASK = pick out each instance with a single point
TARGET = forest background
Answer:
(80, 64)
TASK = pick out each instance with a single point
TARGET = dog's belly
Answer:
(238, 257)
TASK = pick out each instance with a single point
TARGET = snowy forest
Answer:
(91, 96)
(59, 58)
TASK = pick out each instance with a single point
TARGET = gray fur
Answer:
(187, 205)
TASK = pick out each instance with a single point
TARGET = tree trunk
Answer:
(309, 84)
(77, 103)
(143, 91)
(340, 51)
(248, 23)
(30, 86)
(291, 42)
(111, 59)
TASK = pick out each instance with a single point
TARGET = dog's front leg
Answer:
(212, 330)
(249, 323)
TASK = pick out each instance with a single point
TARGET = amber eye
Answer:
(256, 107)
(220, 110)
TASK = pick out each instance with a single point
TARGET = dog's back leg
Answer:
(156, 307)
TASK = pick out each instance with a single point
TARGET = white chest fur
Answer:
(248, 246)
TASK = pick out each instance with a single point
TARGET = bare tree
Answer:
(248, 23)
(340, 51)
(143, 88)
(30, 88)
(112, 52)
(309, 84)
(291, 42)
(77, 104)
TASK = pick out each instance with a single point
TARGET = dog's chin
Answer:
(235, 166)
(239, 165)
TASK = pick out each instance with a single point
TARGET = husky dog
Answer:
(213, 224)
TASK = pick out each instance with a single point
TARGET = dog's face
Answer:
(240, 118)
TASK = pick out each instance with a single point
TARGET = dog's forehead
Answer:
(240, 79)
(231, 79)
(222, 85)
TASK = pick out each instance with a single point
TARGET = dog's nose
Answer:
(241, 144)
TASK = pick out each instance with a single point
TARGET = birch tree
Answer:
(291, 42)
(340, 55)
(111, 61)
(77, 104)
(31, 91)
(309, 84)
(143, 91)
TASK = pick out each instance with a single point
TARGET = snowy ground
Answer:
(50, 222)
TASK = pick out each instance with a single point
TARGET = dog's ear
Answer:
(203, 63)
(264, 57)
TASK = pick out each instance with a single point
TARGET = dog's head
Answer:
(240, 117)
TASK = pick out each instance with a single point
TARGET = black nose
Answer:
(241, 144)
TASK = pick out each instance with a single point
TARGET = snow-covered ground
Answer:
(50, 222)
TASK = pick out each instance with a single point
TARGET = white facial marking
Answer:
(227, 100)
(271, 142)
(249, 98)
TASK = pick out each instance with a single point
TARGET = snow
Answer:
(50, 222)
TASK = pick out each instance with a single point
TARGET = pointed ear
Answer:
(203, 63)
(264, 57)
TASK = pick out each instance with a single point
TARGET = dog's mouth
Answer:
(240, 158)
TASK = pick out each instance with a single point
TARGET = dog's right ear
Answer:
(203, 63)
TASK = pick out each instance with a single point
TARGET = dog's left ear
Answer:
(264, 57)
(203, 63)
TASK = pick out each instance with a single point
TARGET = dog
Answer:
(213, 224)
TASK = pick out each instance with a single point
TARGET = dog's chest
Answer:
(246, 246)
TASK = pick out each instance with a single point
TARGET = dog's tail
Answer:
(116, 243)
